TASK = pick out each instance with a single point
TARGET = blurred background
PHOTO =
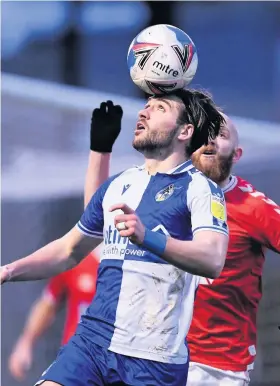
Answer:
(59, 61)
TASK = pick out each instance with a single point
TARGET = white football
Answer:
(161, 59)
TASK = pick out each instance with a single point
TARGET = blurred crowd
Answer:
(85, 43)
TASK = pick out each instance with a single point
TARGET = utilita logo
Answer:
(115, 245)
(162, 67)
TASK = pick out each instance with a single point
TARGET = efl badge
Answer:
(165, 193)
(218, 207)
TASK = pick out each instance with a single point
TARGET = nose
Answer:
(144, 114)
(212, 141)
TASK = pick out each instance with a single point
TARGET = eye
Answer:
(223, 135)
(146, 107)
(161, 107)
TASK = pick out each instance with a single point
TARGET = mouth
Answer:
(209, 153)
(139, 127)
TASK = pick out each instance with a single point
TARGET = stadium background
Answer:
(51, 48)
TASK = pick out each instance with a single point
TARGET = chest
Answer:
(159, 201)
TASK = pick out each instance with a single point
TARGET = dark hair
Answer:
(200, 111)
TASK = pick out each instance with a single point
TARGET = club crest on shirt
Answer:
(165, 193)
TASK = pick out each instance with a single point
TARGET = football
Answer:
(161, 59)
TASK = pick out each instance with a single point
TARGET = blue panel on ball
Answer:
(181, 36)
(131, 58)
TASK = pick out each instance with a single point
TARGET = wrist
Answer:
(154, 242)
(100, 152)
(7, 271)
(101, 147)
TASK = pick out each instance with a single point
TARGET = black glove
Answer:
(105, 127)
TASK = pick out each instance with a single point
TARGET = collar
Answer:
(183, 167)
(231, 185)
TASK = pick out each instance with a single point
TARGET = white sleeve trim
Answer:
(211, 228)
(89, 232)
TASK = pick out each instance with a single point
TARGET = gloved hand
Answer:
(105, 127)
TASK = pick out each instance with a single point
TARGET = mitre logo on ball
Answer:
(161, 59)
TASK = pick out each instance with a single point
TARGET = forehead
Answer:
(228, 124)
(230, 127)
(171, 100)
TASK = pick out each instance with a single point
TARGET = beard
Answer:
(217, 168)
(153, 142)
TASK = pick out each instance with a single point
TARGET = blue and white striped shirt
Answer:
(143, 305)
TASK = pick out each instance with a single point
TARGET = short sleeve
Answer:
(206, 204)
(92, 221)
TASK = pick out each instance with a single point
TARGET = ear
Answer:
(237, 154)
(185, 132)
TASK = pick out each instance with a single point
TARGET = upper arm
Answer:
(206, 203)
(212, 241)
(88, 233)
(79, 244)
(92, 221)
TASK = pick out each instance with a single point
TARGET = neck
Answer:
(225, 182)
(157, 164)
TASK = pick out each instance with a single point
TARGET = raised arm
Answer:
(97, 172)
(104, 130)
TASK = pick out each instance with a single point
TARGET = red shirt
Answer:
(223, 329)
(78, 286)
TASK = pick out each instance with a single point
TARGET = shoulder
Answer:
(113, 178)
(127, 172)
(249, 192)
(244, 186)
(103, 188)
(130, 175)
(255, 200)
(109, 186)
(199, 183)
